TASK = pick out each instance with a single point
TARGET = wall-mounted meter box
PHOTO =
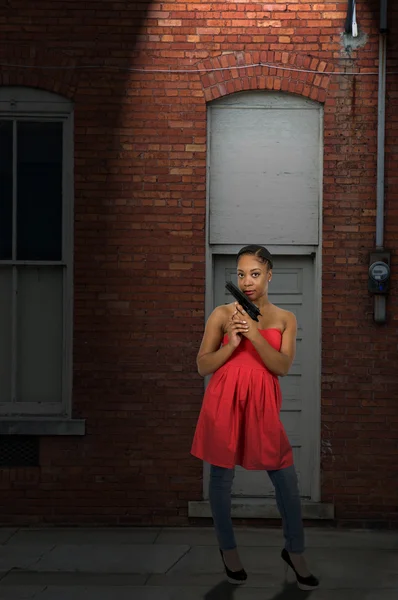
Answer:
(379, 273)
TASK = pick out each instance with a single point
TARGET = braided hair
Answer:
(259, 252)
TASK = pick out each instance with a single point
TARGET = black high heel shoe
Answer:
(234, 577)
(303, 583)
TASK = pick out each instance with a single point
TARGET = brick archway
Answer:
(63, 80)
(238, 74)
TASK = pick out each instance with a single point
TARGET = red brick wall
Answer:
(139, 245)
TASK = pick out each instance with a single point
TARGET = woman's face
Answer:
(253, 276)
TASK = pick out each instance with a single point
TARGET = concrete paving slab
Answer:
(207, 537)
(334, 538)
(184, 564)
(190, 536)
(273, 537)
(32, 578)
(113, 536)
(145, 593)
(227, 592)
(23, 592)
(6, 534)
(316, 537)
(221, 592)
(22, 557)
(140, 558)
(209, 580)
(361, 569)
(205, 559)
(381, 595)
(100, 593)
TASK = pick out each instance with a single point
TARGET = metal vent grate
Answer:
(19, 451)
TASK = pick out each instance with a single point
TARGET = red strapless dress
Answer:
(239, 423)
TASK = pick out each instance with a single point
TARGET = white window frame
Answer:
(22, 103)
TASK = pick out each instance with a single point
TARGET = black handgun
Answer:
(251, 309)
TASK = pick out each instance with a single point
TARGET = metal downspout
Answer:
(381, 125)
(379, 307)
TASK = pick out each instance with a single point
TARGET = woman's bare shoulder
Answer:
(221, 315)
(288, 317)
(283, 316)
(224, 311)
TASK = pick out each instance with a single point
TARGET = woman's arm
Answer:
(280, 362)
(210, 356)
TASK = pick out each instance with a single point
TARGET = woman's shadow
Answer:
(226, 591)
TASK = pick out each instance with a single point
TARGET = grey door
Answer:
(292, 288)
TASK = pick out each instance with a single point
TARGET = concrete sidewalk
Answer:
(184, 564)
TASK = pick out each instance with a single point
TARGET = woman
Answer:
(239, 423)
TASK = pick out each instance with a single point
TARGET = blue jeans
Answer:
(287, 499)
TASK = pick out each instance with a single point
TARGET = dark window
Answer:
(39, 191)
(6, 190)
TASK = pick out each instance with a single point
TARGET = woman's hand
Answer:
(251, 332)
(236, 327)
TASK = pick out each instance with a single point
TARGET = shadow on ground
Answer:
(226, 591)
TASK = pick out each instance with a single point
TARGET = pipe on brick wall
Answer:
(379, 306)
(381, 125)
(348, 19)
(383, 16)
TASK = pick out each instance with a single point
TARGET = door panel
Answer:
(265, 165)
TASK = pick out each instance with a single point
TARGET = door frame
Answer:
(211, 250)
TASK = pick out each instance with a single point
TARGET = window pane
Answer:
(39, 191)
(40, 334)
(5, 190)
(5, 333)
